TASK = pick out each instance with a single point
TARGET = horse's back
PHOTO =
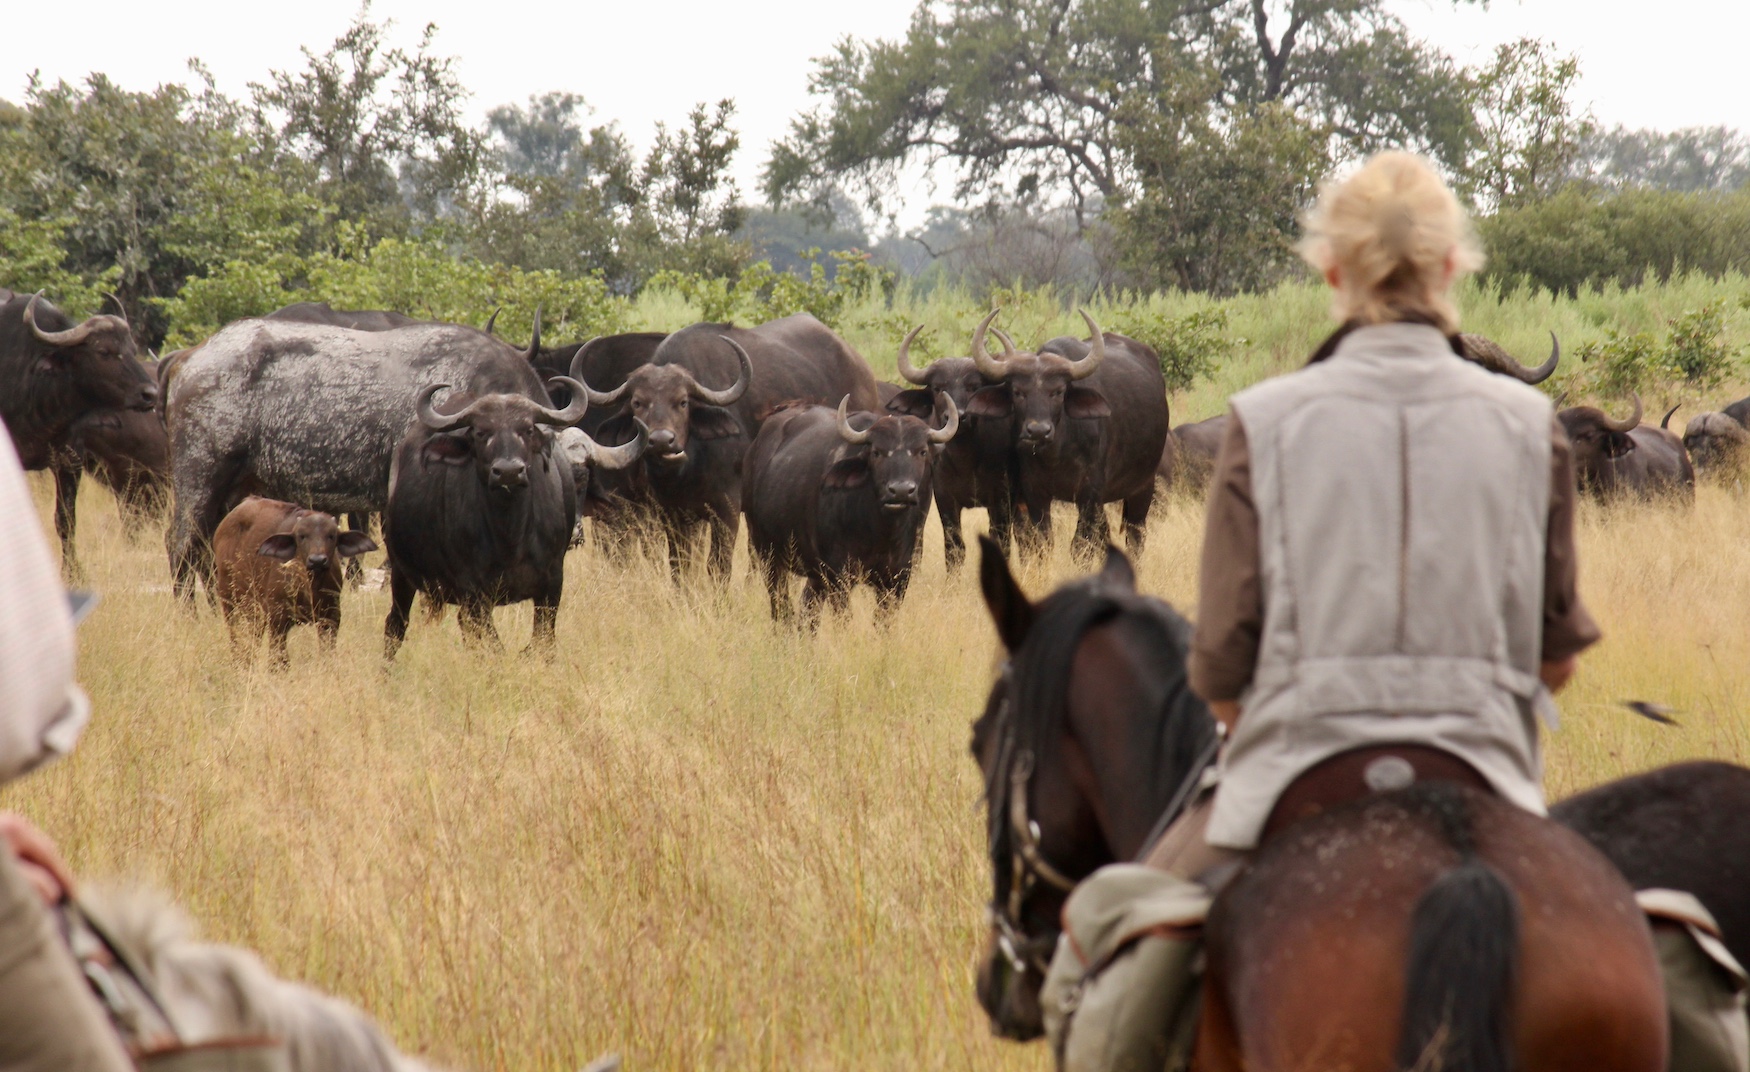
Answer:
(1309, 946)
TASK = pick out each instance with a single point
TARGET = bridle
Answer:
(1027, 864)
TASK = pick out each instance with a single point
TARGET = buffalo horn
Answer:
(735, 390)
(950, 424)
(1003, 337)
(1627, 424)
(431, 418)
(71, 337)
(617, 457)
(846, 432)
(596, 398)
(990, 367)
(1666, 423)
(572, 413)
(1087, 366)
(535, 341)
(120, 309)
(903, 361)
(493, 319)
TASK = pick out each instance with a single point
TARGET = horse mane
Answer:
(1038, 688)
(216, 992)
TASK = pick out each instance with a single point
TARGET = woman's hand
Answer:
(37, 857)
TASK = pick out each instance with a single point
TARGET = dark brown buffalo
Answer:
(690, 474)
(1188, 459)
(1719, 441)
(605, 362)
(54, 372)
(481, 508)
(128, 452)
(838, 499)
(977, 469)
(796, 359)
(276, 565)
(1089, 420)
(1620, 457)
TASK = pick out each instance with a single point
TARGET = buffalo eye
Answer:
(637, 403)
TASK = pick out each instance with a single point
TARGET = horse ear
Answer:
(1118, 570)
(1009, 606)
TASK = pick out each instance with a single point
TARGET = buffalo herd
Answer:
(482, 457)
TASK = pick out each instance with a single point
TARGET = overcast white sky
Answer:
(1677, 63)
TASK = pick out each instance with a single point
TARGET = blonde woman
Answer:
(1388, 560)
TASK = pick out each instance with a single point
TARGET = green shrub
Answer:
(1694, 356)
(1190, 347)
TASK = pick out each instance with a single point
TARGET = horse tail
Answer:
(1464, 957)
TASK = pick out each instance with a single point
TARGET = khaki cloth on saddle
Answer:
(1122, 992)
(1125, 958)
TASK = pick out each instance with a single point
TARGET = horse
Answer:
(1427, 927)
(1089, 734)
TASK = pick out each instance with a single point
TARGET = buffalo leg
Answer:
(812, 595)
(1002, 516)
(67, 473)
(722, 525)
(545, 637)
(889, 593)
(953, 540)
(278, 628)
(1033, 528)
(1093, 530)
(328, 618)
(202, 499)
(1136, 510)
(777, 588)
(401, 605)
(475, 618)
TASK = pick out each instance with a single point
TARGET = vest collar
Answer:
(1397, 348)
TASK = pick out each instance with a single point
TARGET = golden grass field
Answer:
(694, 838)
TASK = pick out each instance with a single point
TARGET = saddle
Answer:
(1362, 772)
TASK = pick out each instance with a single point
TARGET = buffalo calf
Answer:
(837, 499)
(276, 565)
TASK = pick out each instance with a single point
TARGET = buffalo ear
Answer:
(1085, 403)
(281, 546)
(1118, 570)
(1618, 444)
(852, 472)
(446, 449)
(355, 543)
(918, 402)
(993, 402)
(1009, 607)
(712, 422)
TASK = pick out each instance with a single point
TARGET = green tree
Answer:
(1019, 97)
(1529, 134)
(381, 126)
(1218, 194)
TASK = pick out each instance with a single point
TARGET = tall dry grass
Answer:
(693, 837)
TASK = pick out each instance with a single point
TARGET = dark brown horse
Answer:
(1433, 927)
(1088, 738)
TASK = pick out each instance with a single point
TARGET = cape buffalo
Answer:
(976, 469)
(1615, 457)
(796, 359)
(1089, 420)
(53, 373)
(604, 361)
(690, 475)
(1188, 460)
(128, 452)
(481, 508)
(277, 565)
(1718, 440)
(837, 499)
(309, 413)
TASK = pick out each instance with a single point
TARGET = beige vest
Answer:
(1403, 508)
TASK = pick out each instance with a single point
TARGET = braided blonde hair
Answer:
(1397, 237)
